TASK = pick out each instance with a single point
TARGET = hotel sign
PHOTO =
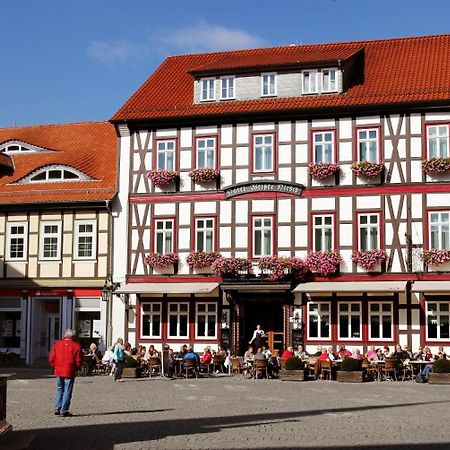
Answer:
(282, 187)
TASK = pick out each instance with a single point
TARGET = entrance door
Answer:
(52, 330)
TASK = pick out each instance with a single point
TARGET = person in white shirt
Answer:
(258, 337)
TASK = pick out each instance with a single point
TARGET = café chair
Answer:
(190, 366)
(154, 366)
(260, 367)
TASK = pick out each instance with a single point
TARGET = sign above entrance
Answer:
(282, 187)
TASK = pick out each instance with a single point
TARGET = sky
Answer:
(80, 60)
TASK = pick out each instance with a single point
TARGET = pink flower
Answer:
(231, 267)
(161, 261)
(435, 257)
(323, 263)
(367, 169)
(322, 170)
(203, 175)
(279, 267)
(161, 178)
(369, 259)
(436, 165)
(200, 260)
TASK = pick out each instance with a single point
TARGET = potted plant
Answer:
(131, 368)
(162, 178)
(350, 371)
(436, 165)
(203, 175)
(440, 374)
(231, 267)
(367, 169)
(293, 370)
(436, 257)
(323, 263)
(368, 260)
(201, 260)
(160, 260)
(322, 170)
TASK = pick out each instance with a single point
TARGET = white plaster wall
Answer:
(184, 213)
(226, 156)
(345, 128)
(284, 210)
(186, 137)
(301, 235)
(164, 209)
(416, 123)
(329, 123)
(301, 130)
(205, 208)
(225, 237)
(259, 206)
(368, 202)
(268, 126)
(241, 208)
(438, 200)
(301, 210)
(372, 120)
(284, 236)
(284, 131)
(284, 154)
(323, 204)
(226, 134)
(242, 134)
(225, 212)
(242, 237)
(345, 208)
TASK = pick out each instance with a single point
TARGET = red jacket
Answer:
(287, 354)
(66, 358)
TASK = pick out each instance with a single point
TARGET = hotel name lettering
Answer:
(263, 186)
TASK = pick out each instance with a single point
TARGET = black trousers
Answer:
(119, 370)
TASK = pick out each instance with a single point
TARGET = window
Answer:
(268, 84)
(438, 138)
(368, 145)
(380, 320)
(226, 88)
(151, 320)
(349, 320)
(164, 236)
(368, 225)
(319, 320)
(310, 83)
(206, 320)
(204, 234)
(16, 148)
(17, 241)
(50, 240)
(262, 236)
(178, 320)
(263, 153)
(206, 153)
(323, 146)
(52, 174)
(323, 233)
(85, 239)
(329, 80)
(208, 89)
(439, 229)
(438, 323)
(165, 155)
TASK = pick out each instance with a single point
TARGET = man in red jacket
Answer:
(66, 359)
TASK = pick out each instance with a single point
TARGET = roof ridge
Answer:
(91, 122)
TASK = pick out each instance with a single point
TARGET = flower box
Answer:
(439, 378)
(350, 376)
(231, 267)
(204, 175)
(368, 260)
(436, 257)
(162, 178)
(201, 260)
(367, 169)
(323, 263)
(161, 261)
(279, 267)
(322, 171)
(436, 165)
(292, 375)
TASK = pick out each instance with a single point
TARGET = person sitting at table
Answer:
(356, 354)
(398, 353)
(429, 358)
(324, 355)
(407, 354)
(343, 352)
(371, 353)
(266, 352)
(441, 353)
(221, 352)
(249, 355)
(288, 353)
(273, 364)
(319, 351)
(387, 352)
(379, 356)
(182, 352)
(331, 355)
(419, 354)
(301, 352)
(259, 354)
(190, 354)
(207, 356)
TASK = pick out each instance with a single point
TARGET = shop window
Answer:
(178, 320)
(206, 320)
(10, 329)
(438, 323)
(151, 320)
(380, 321)
(319, 320)
(350, 320)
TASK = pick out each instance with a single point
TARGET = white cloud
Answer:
(116, 53)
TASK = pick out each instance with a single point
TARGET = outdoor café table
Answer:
(420, 364)
(178, 367)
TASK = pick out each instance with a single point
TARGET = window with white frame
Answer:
(50, 240)
(368, 230)
(439, 229)
(438, 141)
(208, 89)
(164, 236)
(204, 233)
(151, 320)
(319, 320)
(438, 320)
(349, 320)
(262, 236)
(381, 321)
(165, 155)
(368, 145)
(206, 320)
(227, 88)
(178, 320)
(268, 84)
(206, 153)
(85, 242)
(16, 241)
(323, 233)
(323, 146)
(329, 80)
(310, 83)
(263, 153)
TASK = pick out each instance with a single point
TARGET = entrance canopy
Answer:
(431, 286)
(352, 286)
(167, 288)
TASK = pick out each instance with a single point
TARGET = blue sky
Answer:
(79, 60)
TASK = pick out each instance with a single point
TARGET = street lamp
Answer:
(109, 288)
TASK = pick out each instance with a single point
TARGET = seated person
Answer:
(182, 352)
(222, 352)
(127, 348)
(207, 356)
(331, 355)
(419, 355)
(260, 354)
(387, 352)
(170, 366)
(343, 352)
(357, 354)
(379, 356)
(406, 352)
(324, 355)
(301, 352)
(398, 353)
(428, 368)
(190, 354)
(441, 353)
(288, 353)
(249, 355)
(371, 353)
(92, 357)
(319, 351)
(266, 352)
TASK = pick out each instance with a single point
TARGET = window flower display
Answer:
(161, 178)
(279, 266)
(436, 165)
(231, 267)
(436, 257)
(322, 171)
(369, 259)
(160, 260)
(203, 175)
(323, 263)
(367, 169)
(201, 260)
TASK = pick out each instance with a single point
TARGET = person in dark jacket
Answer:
(66, 358)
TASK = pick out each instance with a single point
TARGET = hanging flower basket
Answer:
(322, 171)
(323, 263)
(369, 259)
(203, 175)
(435, 257)
(160, 260)
(367, 169)
(161, 178)
(436, 165)
(280, 267)
(200, 260)
(231, 267)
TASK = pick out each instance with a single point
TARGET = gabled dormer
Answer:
(19, 147)
(54, 173)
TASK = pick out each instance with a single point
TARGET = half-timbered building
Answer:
(333, 153)
(57, 183)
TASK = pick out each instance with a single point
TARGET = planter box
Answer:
(439, 378)
(350, 377)
(131, 372)
(292, 375)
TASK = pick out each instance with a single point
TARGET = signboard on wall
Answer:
(280, 187)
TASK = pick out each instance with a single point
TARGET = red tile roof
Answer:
(89, 147)
(396, 71)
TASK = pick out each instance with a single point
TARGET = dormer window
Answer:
(323, 81)
(268, 84)
(310, 82)
(54, 173)
(15, 147)
(208, 89)
(227, 88)
(329, 80)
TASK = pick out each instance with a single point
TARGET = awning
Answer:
(167, 288)
(352, 286)
(431, 286)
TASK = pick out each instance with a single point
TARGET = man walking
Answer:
(66, 358)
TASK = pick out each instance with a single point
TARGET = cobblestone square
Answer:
(225, 412)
